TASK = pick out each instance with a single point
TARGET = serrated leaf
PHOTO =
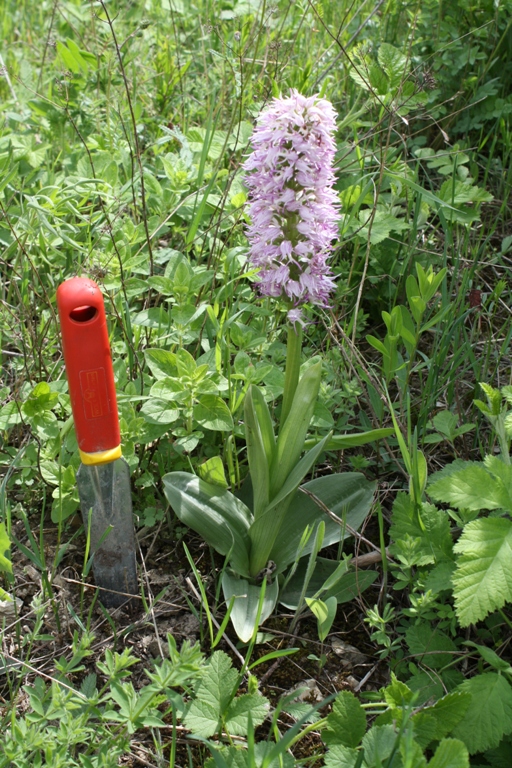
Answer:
(379, 743)
(346, 723)
(451, 753)
(237, 716)
(447, 712)
(339, 756)
(489, 715)
(434, 534)
(393, 62)
(482, 582)
(471, 487)
(218, 680)
(202, 719)
(397, 694)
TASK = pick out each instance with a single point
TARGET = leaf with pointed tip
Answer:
(214, 513)
(348, 495)
(292, 435)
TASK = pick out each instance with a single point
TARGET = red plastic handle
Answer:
(88, 365)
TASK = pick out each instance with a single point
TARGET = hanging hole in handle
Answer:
(83, 314)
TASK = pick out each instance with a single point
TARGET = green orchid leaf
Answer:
(348, 496)
(347, 588)
(257, 453)
(290, 442)
(214, 513)
(265, 529)
(262, 413)
(325, 613)
(5, 548)
(247, 614)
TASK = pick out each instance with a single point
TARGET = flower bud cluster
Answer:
(293, 207)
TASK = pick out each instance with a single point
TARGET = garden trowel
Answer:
(103, 478)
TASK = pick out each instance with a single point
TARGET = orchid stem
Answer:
(292, 372)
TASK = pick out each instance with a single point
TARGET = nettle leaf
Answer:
(213, 695)
(214, 705)
(346, 723)
(427, 643)
(489, 715)
(471, 485)
(435, 542)
(237, 717)
(393, 62)
(482, 582)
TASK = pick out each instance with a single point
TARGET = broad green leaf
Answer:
(489, 715)
(447, 712)
(244, 614)
(347, 495)
(426, 644)
(161, 363)
(212, 471)
(482, 582)
(5, 548)
(214, 513)
(155, 317)
(397, 694)
(259, 465)
(347, 588)
(394, 63)
(157, 411)
(292, 435)
(346, 723)
(170, 389)
(491, 657)
(470, 485)
(10, 415)
(325, 613)
(265, 529)
(212, 413)
(451, 753)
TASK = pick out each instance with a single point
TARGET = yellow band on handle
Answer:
(100, 457)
